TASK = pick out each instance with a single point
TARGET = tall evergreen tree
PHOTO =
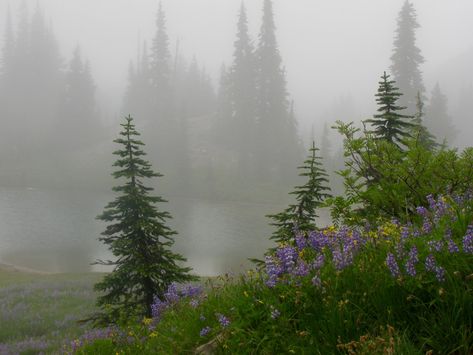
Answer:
(389, 123)
(160, 69)
(438, 119)
(419, 131)
(302, 214)
(243, 91)
(277, 131)
(137, 236)
(407, 58)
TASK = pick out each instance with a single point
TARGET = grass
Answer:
(354, 302)
(39, 312)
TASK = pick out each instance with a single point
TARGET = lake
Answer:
(57, 231)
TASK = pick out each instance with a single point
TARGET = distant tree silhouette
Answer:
(438, 119)
(407, 58)
(277, 131)
(419, 130)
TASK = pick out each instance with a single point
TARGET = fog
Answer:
(329, 48)
(60, 116)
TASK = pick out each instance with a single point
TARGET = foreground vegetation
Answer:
(392, 288)
(39, 312)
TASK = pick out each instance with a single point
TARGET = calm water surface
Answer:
(57, 231)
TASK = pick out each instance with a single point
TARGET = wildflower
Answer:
(202, 317)
(272, 270)
(435, 245)
(204, 331)
(191, 291)
(422, 211)
(392, 265)
(302, 269)
(440, 273)
(412, 260)
(224, 321)
(468, 241)
(171, 295)
(318, 262)
(301, 241)
(194, 303)
(287, 256)
(430, 263)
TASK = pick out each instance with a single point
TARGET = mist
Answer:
(332, 55)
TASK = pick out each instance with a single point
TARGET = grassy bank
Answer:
(39, 311)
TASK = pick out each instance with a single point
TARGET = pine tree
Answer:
(138, 238)
(407, 58)
(419, 131)
(243, 91)
(160, 69)
(309, 197)
(277, 131)
(389, 123)
(438, 119)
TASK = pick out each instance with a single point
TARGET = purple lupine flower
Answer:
(287, 257)
(468, 241)
(392, 265)
(191, 290)
(301, 241)
(400, 251)
(435, 245)
(172, 295)
(431, 201)
(318, 240)
(405, 233)
(430, 263)
(302, 269)
(338, 260)
(318, 262)
(452, 247)
(426, 226)
(158, 307)
(412, 260)
(440, 273)
(194, 303)
(204, 331)
(272, 270)
(422, 211)
(224, 321)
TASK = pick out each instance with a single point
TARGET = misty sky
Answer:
(330, 48)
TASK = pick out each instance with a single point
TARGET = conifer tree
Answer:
(419, 131)
(407, 58)
(243, 91)
(160, 69)
(277, 131)
(389, 124)
(438, 119)
(138, 237)
(309, 197)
